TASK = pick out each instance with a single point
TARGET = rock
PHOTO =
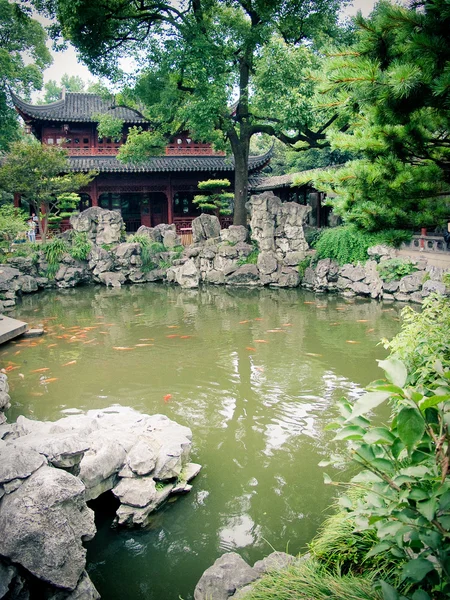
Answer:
(245, 275)
(353, 273)
(171, 239)
(101, 226)
(401, 297)
(138, 492)
(391, 286)
(15, 463)
(229, 573)
(288, 278)
(100, 260)
(216, 277)
(151, 232)
(142, 457)
(34, 332)
(267, 262)
(112, 279)
(100, 464)
(5, 401)
(25, 264)
(85, 590)
(7, 277)
(416, 297)
(292, 259)
(43, 524)
(433, 287)
(410, 283)
(234, 234)
(27, 284)
(187, 276)
(62, 450)
(381, 251)
(7, 574)
(361, 289)
(4, 386)
(274, 562)
(205, 227)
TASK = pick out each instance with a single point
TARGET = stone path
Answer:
(10, 328)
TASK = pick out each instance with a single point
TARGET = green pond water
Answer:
(254, 373)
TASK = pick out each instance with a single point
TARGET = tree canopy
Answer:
(393, 88)
(222, 70)
(71, 83)
(40, 174)
(23, 57)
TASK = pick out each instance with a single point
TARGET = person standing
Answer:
(31, 230)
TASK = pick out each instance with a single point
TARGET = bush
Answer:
(346, 244)
(303, 265)
(395, 268)
(312, 235)
(54, 250)
(12, 222)
(81, 246)
(149, 251)
(251, 259)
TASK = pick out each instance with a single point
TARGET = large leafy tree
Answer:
(40, 174)
(224, 70)
(23, 57)
(71, 83)
(393, 87)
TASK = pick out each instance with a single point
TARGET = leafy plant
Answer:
(251, 259)
(303, 265)
(312, 235)
(12, 221)
(423, 339)
(395, 268)
(81, 246)
(347, 244)
(54, 250)
(149, 251)
(108, 126)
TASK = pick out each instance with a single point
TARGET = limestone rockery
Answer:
(49, 470)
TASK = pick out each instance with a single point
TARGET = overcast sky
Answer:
(66, 62)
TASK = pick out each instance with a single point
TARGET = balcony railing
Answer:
(428, 243)
(92, 151)
(183, 151)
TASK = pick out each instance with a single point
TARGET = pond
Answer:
(255, 373)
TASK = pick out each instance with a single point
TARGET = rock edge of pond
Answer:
(50, 470)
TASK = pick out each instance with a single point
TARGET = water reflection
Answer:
(254, 373)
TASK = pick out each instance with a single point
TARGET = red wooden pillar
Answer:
(169, 194)
(94, 193)
(16, 200)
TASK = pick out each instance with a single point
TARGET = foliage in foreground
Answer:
(404, 466)
(395, 268)
(308, 580)
(12, 222)
(346, 244)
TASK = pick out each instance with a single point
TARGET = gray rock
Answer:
(216, 277)
(391, 286)
(288, 278)
(245, 275)
(4, 386)
(410, 283)
(381, 251)
(17, 464)
(5, 401)
(205, 227)
(112, 279)
(433, 287)
(142, 457)
(62, 450)
(229, 573)
(101, 226)
(292, 259)
(274, 562)
(267, 262)
(138, 492)
(100, 464)
(361, 289)
(401, 297)
(151, 232)
(27, 284)
(85, 590)
(416, 297)
(171, 239)
(43, 524)
(187, 275)
(234, 234)
(7, 277)
(353, 273)
(7, 574)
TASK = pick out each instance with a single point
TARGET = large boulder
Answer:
(229, 573)
(101, 226)
(43, 524)
(205, 227)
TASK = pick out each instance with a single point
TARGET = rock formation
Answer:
(49, 470)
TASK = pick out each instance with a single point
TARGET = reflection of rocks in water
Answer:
(48, 470)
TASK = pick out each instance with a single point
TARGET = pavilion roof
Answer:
(164, 163)
(77, 107)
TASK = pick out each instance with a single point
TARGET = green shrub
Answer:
(395, 268)
(312, 235)
(54, 250)
(303, 265)
(149, 250)
(251, 259)
(346, 244)
(12, 221)
(423, 339)
(81, 246)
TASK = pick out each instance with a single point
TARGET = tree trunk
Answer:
(240, 188)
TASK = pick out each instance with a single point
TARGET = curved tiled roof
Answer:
(164, 163)
(76, 107)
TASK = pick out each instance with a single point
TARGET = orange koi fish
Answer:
(143, 345)
(312, 354)
(121, 348)
(146, 339)
(174, 335)
(287, 325)
(36, 394)
(370, 330)
(352, 342)
(362, 320)
(185, 337)
(50, 380)
(71, 362)
(40, 370)
(250, 348)
(18, 352)
(258, 319)
(275, 331)
(308, 302)
(340, 308)
(261, 369)
(90, 341)
(173, 326)
(261, 341)
(51, 345)
(11, 368)
(167, 397)
(242, 322)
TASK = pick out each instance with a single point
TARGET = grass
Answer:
(309, 580)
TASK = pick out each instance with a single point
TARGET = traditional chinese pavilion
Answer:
(160, 190)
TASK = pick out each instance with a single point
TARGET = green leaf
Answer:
(395, 371)
(332, 426)
(378, 549)
(444, 503)
(418, 471)
(418, 494)
(379, 435)
(345, 501)
(416, 569)
(432, 401)
(367, 402)
(420, 595)
(387, 387)
(428, 508)
(366, 477)
(389, 593)
(410, 426)
(327, 479)
(384, 465)
(351, 432)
